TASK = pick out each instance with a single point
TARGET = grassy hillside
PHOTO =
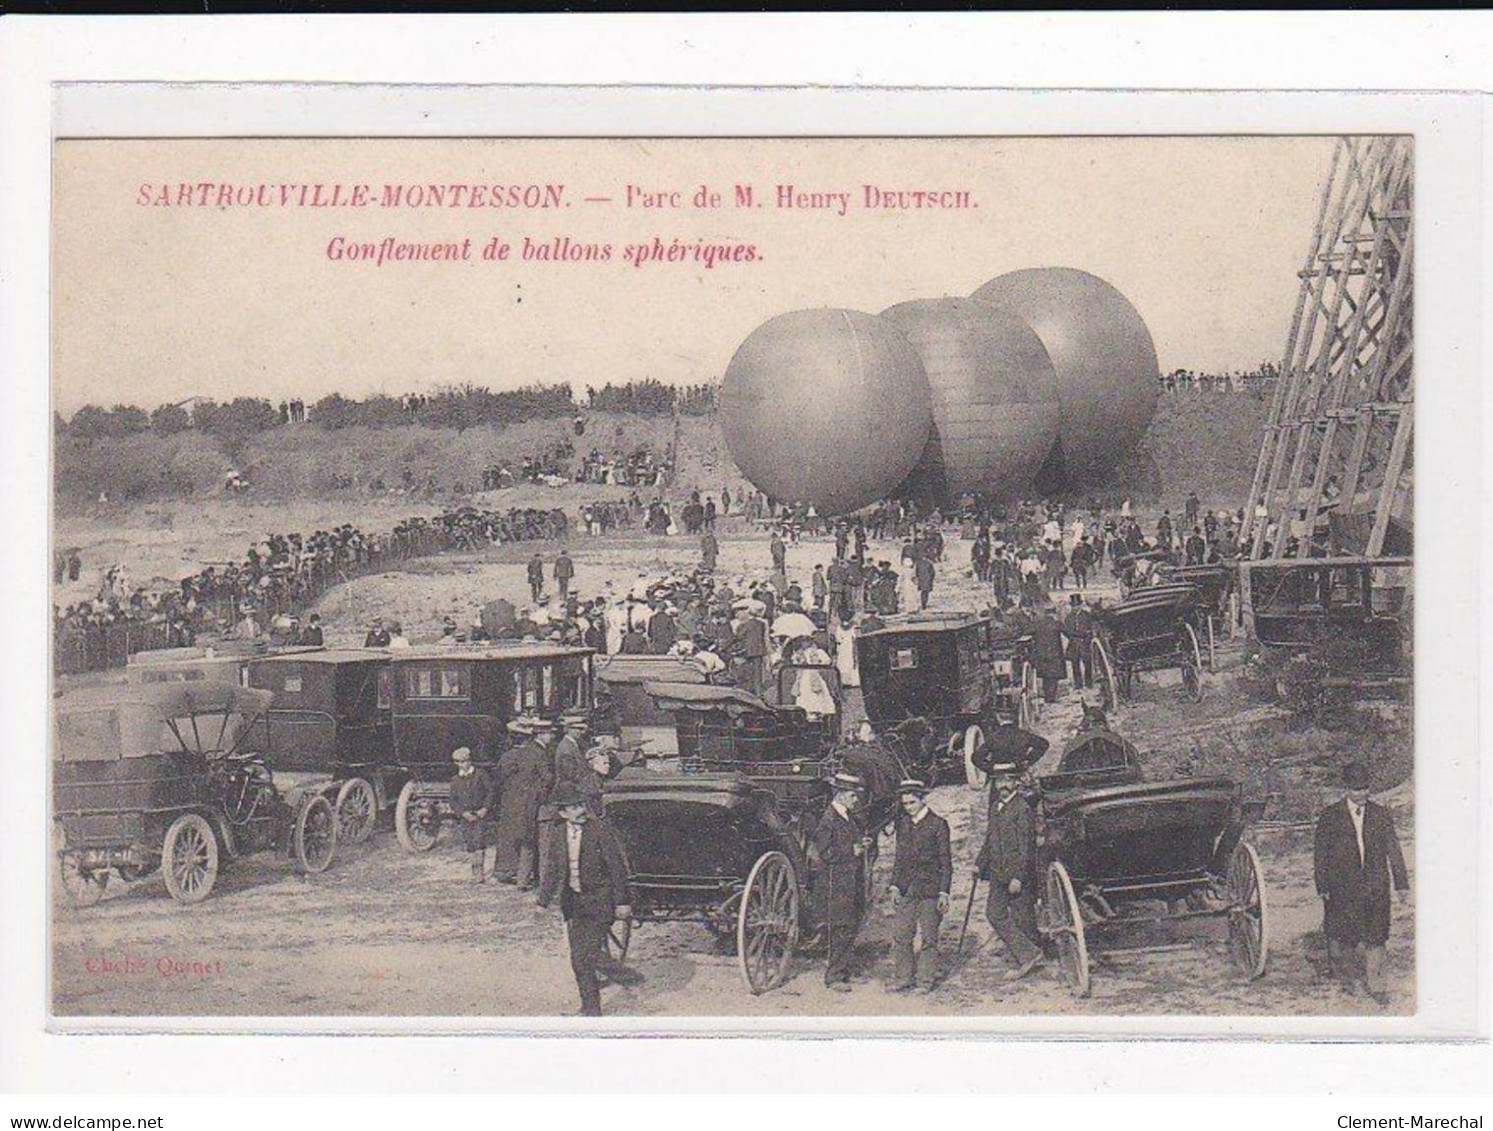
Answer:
(1206, 443)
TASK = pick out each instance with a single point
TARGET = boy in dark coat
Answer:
(1357, 855)
(922, 875)
(837, 856)
(590, 878)
(472, 800)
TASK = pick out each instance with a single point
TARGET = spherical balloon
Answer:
(828, 407)
(1104, 357)
(995, 399)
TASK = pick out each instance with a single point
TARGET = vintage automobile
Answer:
(332, 716)
(1215, 613)
(1119, 852)
(155, 777)
(185, 665)
(1151, 630)
(444, 698)
(623, 708)
(723, 840)
(937, 683)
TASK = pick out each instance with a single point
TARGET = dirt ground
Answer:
(388, 933)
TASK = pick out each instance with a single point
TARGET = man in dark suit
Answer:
(837, 857)
(590, 877)
(1008, 860)
(922, 875)
(1357, 856)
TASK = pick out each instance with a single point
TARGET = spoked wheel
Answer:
(315, 840)
(1249, 938)
(767, 923)
(189, 859)
(1104, 676)
(1029, 691)
(417, 821)
(83, 883)
(1065, 924)
(1192, 665)
(357, 810)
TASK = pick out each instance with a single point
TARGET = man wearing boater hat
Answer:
(1357, 855)
(590, 877)
(922, 874)
(1008, 859)
(837, 855)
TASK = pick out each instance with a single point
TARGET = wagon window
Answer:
(547, 685)
(904, 659)
(292, 677)
(435, 683)
(383, 689)
(527, 681)
(452, 685)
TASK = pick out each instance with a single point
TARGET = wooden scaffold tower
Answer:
(1335, 473)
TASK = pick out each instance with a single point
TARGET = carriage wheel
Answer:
(83, 884)
(1249, 940)
(417, 822)
(1104, 675)
(767, 923)
(357, 810)
(973, 742)
(1029, 691)
(1065, 923)
(315, 840)
(189, 859)
(1192, 665)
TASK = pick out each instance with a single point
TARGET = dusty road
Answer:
(387, 933)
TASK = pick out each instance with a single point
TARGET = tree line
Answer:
(457, 406)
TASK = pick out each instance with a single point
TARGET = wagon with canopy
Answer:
(939, 683)
(156, 777)
(1214, 612)
(1120, 853)
(332, 719)
(723, 840)
(1151, 630)
(443, 698)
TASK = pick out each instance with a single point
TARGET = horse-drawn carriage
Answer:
(332, 717)
(937, 684)
(1214, 612)
(155, 777)
(1120, 853)
(723, 840)
(444, 698)
(1151, 630)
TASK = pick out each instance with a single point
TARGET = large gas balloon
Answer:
(995, 398)
(1104, 358)
(828, 407)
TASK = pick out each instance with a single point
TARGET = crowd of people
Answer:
(1257, 382)
(641, 467)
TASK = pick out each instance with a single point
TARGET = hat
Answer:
(575, 720)
(524, 724)
(912, 785)
(461, 755)
(1356, 775)
(843, 780)
(565, 795)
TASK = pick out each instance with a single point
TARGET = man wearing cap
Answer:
(570, 764)
(1079, 631)
(473, 800)
(1008, 859)
(837, 856)
(377, 636)
(590, 877)
(524, 778)
(1357, 855)
(749, 648)
(311, 635)
(564, 571)
(922, 876)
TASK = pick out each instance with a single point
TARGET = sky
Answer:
(160, 302)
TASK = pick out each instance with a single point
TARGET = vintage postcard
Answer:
(773, 578)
